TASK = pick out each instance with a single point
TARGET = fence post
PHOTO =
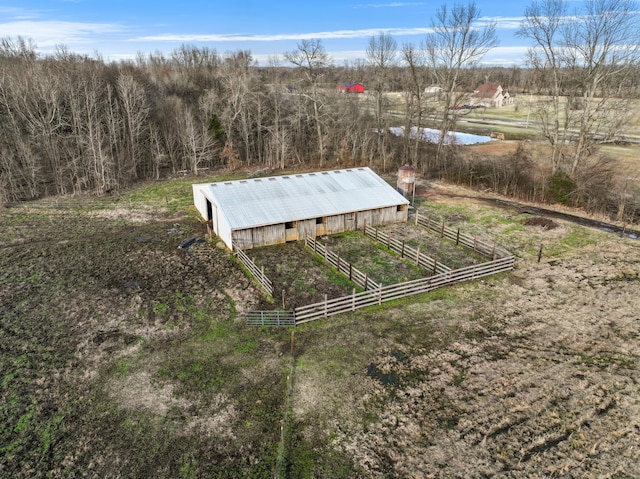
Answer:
(389, 240)
(442, 230)
(379, 294)
(475, 241)
(418, 256)
(435, 265)
(402, 253)
(417, 214)
(325, 305)
(376, 234)
(283, 306)
(429, 223)
(350, 273)
(353, 299)
(458, 236)
(366, 281)
(540, 254)
(493, 254)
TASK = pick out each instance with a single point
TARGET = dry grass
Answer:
(528, 375)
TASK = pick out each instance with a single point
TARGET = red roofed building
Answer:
(350, 88)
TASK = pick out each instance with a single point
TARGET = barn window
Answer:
(320, 220)
(289, 225)
(402, 207)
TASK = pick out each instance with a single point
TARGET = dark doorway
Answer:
(209, 211)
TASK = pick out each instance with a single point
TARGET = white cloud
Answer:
(507, 23)
(51, 33)
(189, 37)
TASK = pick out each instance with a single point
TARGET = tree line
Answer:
(73, 124)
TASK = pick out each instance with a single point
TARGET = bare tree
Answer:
(311, 58)
(601, 47)
(134, 113)
(416, 82)
(457, 42)
(381, 55)
(585, 57)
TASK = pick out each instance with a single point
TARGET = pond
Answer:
(429, 134)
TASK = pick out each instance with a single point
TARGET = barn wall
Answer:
(221, 226)
(334, 224)
(267, 235)
(243, 238)
(350, 221)
(277, 234)
(199, 199)
(306, 228)
(260, 236)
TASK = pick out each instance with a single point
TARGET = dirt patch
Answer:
(544, 223)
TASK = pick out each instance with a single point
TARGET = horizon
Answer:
(121, 30)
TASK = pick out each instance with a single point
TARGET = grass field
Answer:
(122, 356)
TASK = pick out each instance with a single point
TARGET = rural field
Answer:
(123, 356)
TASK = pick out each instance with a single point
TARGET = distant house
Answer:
(433, 90)
(263, 211)
(350, 88)
(490, 95)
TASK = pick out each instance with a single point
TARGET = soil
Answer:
(123, 356)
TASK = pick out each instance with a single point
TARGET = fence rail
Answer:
(355, 301)
(405, 251)
(488, 250)
(330, 307)
(271, 318)
(375, 293)
(257, 273)
(343, 266)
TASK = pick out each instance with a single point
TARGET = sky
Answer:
(120, 29)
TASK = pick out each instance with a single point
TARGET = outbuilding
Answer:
(350, 88)
(264, 211)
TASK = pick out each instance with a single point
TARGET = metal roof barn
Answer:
(262, 211)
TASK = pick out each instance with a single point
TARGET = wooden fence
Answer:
(257, 273)
(355, 301)
(330, 307)
(343, 266)
(405, 251)
(484, 248)
(500, 261)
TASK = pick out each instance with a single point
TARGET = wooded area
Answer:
(73, 124)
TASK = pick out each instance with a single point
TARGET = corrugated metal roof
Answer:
(279, 199)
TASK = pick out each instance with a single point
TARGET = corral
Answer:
(468, 258)
(266, 211)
